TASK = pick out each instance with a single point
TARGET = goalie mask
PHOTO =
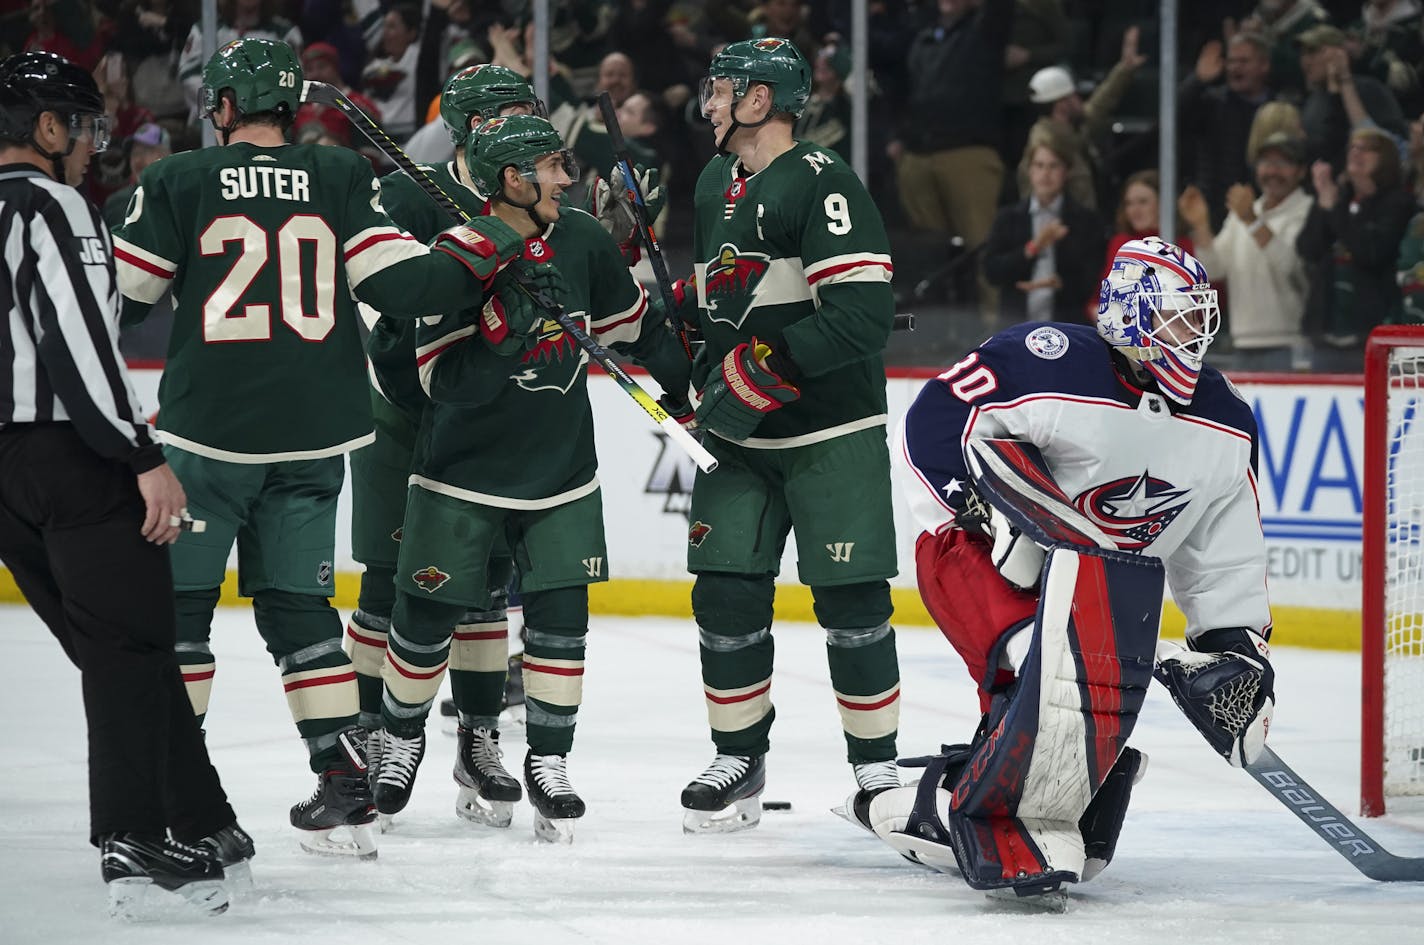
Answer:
(1158, 308)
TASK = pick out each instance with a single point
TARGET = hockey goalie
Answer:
(1060, 476)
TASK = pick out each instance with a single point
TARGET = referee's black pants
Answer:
(70, 525)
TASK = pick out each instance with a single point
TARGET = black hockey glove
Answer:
(742, 392)
(612, 204)
(1225, 686)
(510, 320)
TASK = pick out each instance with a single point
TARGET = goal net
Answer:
(1392, 608)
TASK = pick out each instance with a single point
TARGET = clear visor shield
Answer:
(93, 127)
(1185, 321)
(535, 107)
(545, 172)
(719, 90)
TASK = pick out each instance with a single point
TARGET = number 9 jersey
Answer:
(263, 250)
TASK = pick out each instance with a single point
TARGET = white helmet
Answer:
(1157, 307)
(1049, 84)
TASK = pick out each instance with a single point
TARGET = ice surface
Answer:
(1206, 856)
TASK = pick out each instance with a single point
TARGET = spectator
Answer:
(826, 120)
(321, 63)
(1139, 216)
(237, 19)
(1255, 253)
(431, 142)
(1272, 118)
(1040, 38)
(66, 28)
(948, 169)
(1339, 101)
(1043, 252)
(1215, 116)
(1352, 238)
(147, 144)
(1281, 22)
(1411, 272)
(581, 124)
(1078, 123)
(390, 77)
(150, 35)
(785, 19)
(110, 171)
(1388, 43)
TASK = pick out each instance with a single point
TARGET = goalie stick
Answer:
(1326, 820)
(324, 94)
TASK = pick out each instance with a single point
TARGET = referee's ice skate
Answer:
(150, 877)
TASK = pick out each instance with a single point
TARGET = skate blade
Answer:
(743, 814)
(138, 899)
(1053, 901)
(358, 842)
(926, 853)
(512, 723)
(477, 810)
(239, 878)
(385, 823)
(846, 812)
(554, 829)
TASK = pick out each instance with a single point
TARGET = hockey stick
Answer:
(640, 213)
(1343, 835)
(325, 94)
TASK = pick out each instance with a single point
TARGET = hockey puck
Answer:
(775, 805)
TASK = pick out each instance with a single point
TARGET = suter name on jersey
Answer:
(283, 183)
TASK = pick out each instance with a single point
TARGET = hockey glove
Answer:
(680, 410)
(613, 207)
(511, 321)
(485, 245)
(743, 392)
(1225, 686)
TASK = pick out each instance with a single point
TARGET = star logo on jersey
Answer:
(1134, 510)
(430, 579)
(697, 533)
(556, 361)
(733, 278)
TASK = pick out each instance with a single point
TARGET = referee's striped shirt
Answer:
(59, 352)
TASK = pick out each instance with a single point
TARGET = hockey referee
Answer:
(87, 504)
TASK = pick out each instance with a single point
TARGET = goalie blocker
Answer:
(1037, 800)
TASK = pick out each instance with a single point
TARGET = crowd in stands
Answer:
(1013, 143)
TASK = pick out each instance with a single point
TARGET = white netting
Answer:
(1404, 577)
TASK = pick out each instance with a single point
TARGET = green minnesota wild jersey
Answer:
(262, 250)
(517, 432)
(796, 255)
(391, 346)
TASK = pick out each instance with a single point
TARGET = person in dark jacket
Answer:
(1044, 252)
(1217, 104)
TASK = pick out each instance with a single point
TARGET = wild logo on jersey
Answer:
(556, 362)
(732, 282)
(1134, 510)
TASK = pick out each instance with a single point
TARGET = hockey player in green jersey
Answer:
(508, 457)
(793, 281)
(263, 246)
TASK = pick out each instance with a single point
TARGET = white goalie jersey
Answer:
(1177, 483)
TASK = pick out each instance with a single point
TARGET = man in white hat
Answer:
(1066, 116)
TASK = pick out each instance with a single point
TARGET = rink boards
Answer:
(1309, 482)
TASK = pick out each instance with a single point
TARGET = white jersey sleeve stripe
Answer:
(377, 248)
(625, 326)
(142, 275)
(853, 267)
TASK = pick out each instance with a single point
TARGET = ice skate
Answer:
(556, 805)
(487, 791)
(395, 777)
(1030, 899)
(449, 717)
(726, 797)
(336, 820)
(512, 716)
(150, 877)
(871, 778)
(234, 850)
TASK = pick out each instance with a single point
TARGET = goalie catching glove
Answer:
(612, 205)
(743, 392)
(510, 320)
(1225, 686)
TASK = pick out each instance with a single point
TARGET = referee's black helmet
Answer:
(35, 82)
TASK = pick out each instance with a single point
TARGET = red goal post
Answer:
(1392, 604)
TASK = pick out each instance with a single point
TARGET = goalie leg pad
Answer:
(1054, 737)
(1102, 821)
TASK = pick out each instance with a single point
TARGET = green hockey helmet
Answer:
(774, 62)
(264, 75)
(517, 141)
(483, 90)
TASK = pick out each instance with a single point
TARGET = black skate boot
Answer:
(487, 791)
(395, 778)
(727, 796)
(556, 804)
(151, 876)
(234, 850)
(342, 800)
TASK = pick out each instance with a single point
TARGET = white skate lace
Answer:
(485, 752)
(724, 770)
(399, 759)
(550, 774)
(877, 775)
